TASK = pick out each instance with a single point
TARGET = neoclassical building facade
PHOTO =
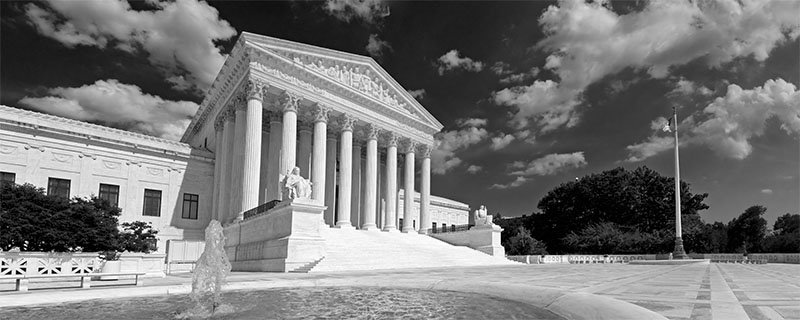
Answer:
(353, 131)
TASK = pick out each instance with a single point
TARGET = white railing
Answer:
(41, 263)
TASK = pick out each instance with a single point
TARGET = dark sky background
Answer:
(612, 111)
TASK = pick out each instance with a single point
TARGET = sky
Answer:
(531, 94)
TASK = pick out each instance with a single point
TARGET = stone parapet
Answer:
(485, 239)
(284, 239)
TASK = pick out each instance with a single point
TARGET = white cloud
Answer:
(367, 10)
(588, 41)
(687, 87)
(471, 122)
(501, 68)
(177, 35)
(501, 141)
(731, 121)
(453, 60)
(375, 46)
(544, 166)
(443, 156)
(118, 105)
(520, 77)
(473, 169)
(742, 114)
(766, 191)
(417, 94)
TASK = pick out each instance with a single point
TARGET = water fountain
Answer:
(209, 276)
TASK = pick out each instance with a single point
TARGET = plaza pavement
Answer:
(695, 291)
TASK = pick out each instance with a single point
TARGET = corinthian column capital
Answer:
(291, 102)
(347, 122)
(372, 132)
(426, 151)
(255, 90)
(392, 139)
(321, 113)
(411, 146)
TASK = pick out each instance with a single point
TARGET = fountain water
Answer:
(209, 276)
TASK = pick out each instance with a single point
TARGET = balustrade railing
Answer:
(260, 210)
(450, 229)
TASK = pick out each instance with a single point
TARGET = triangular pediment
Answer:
(356, 74)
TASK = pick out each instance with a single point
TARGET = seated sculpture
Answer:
(481, 218)
(295, 186)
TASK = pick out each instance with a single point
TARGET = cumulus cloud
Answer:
(417, 94)
(520, 77)
(687, 87)
(742, 114)
(443, 156)
(544, 166)
(367, 10)
(766, 191)
(502, 141)
(471, 122)
(118, 105)
(177, 35)
(453, 60)
(588, 41)
(728, 123)
(376, 47)
(473, 169)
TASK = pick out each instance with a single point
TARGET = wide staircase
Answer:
(349, 250)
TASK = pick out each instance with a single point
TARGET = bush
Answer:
(138, 236)
(34, 221)
(523, 244)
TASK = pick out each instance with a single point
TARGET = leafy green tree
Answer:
(34, 221)
(138, 236)
(717, 238)
(785, 237)
(746, 231)
(523, 244)
(640, 200)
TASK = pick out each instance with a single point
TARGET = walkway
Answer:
(699, 291)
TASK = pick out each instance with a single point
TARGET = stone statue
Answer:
(481, 218)
(295, 186)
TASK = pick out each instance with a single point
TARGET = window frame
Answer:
(4, 179)
(151, 196)
(194, 199)
(108, 192)
(56, 188)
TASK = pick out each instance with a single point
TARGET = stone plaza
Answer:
(694, 291)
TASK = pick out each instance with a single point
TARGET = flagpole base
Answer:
(679, 253)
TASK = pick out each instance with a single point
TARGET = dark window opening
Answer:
(110, 193)
(58, 187)
(190, 203)
(152, 203)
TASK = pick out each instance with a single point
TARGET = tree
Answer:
(785, 237)
(640, 200)
(33, 221)
(523, 244)
(746, 231)
(138, 236)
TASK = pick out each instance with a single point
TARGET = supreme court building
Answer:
(359, 137)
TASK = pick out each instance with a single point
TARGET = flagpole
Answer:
(679, 252)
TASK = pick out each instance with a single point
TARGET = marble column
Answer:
(330, 179)
(218, 125)
(355, 186)
(304, 151)
(408, 189)
(225, 192)
(345, 172)
(425, 191)
(264, 161)
(251, 164)
(274, 157)
(391, 184)
(289, 141)
(371, 185)
(318, 155)
(238, 161)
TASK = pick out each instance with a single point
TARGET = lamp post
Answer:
(678, 253)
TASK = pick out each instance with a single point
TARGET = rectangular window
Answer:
(414, 223)
(110, 193)
(8, 177)
(400, 224)
(152, 203)
(434, 227)
(58, 187)
(444, 227)
(190, 202)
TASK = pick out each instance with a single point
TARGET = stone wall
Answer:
(793, 258)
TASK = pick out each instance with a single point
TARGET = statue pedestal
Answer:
(285, 238)
(484, 238)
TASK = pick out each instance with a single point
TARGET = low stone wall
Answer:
(37, 263)
(793, 258)
(485, 239)
(283, 239)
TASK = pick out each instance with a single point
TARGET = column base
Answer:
(345, 225)
(679, 252)
(370, 227)
(390, 229)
